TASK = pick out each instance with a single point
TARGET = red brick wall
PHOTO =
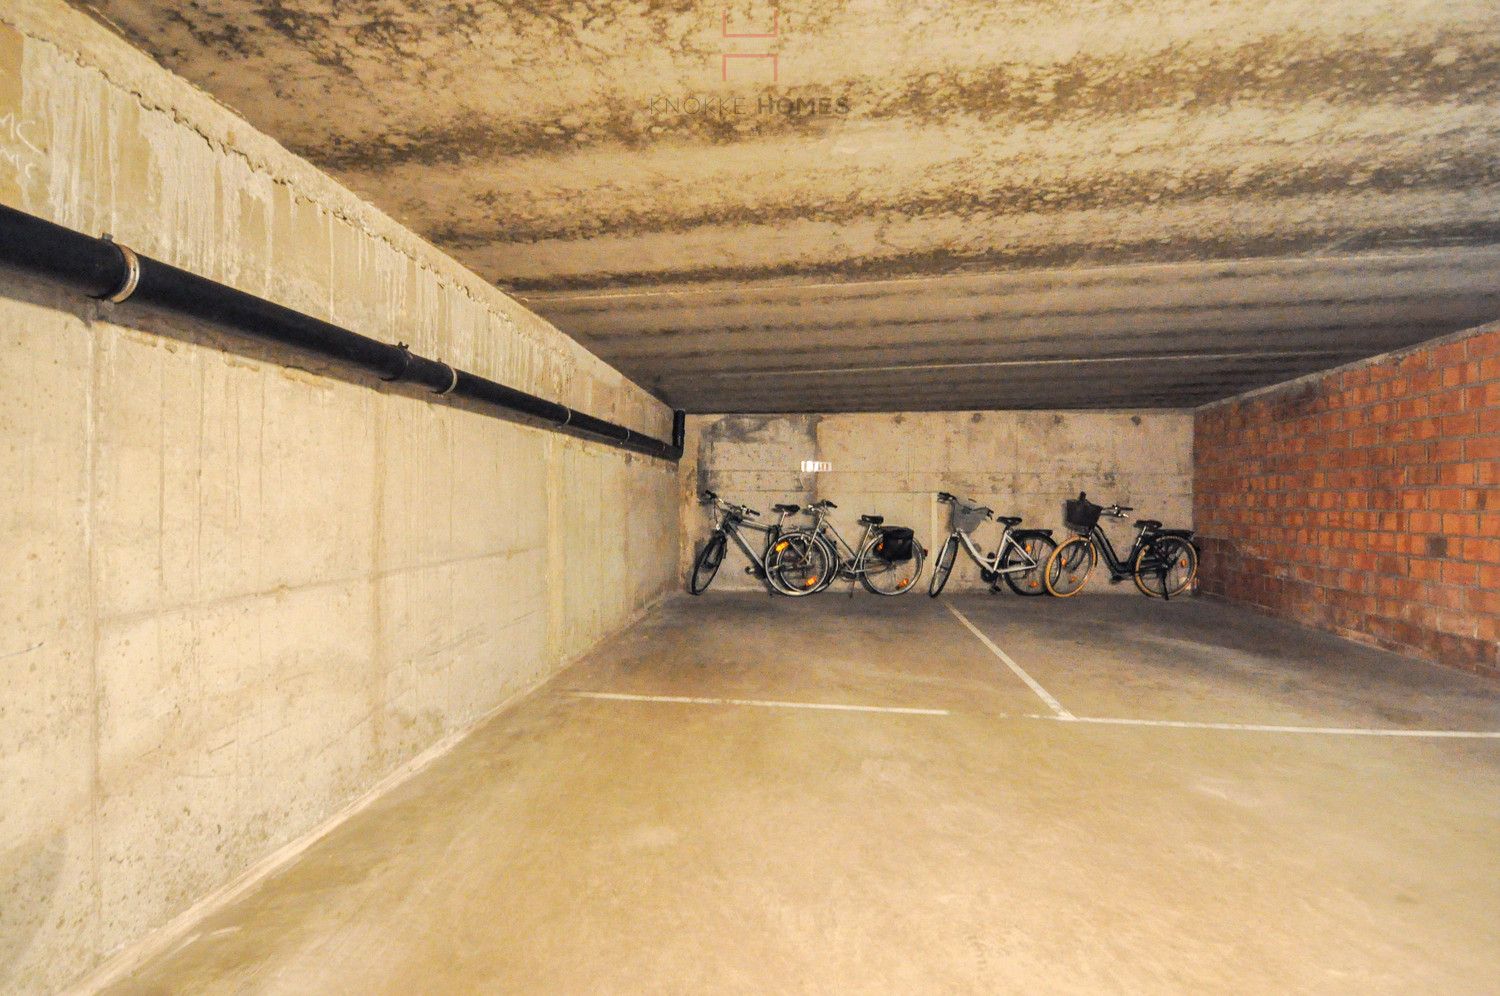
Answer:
(1365, 501)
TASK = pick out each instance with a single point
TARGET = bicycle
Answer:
(804, 562)
(1162, 562)
(887, 560)
(1018, 560)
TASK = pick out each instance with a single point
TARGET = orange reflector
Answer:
(809, 582)
(781, 546)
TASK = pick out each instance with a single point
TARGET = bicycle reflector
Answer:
(781, 546)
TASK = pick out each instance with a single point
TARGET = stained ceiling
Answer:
(843, 206)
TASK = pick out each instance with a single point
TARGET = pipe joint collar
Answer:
(400, 371)
(452, 380)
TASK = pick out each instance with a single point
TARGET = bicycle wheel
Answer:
(1069, 567)
(885, 577)
(1166, 567)
(943, 566)
(835, 562)
(1029, 582)
(797, 564)
(707, 564)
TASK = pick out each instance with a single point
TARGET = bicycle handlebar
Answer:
(945, 497)
(744, 511)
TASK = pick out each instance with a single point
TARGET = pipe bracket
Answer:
(451, 384)
(132, 272)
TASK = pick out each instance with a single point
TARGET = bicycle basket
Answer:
(895, 544)
(967, 518)
(1080, 514)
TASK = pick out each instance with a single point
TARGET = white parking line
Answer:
(763, 703)
(1031, 682)
(1337, 731)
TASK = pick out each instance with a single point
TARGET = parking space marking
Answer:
(1019, 672)
(1337, 731)
(763, 703)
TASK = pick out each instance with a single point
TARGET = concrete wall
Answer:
(237, 594)
(1020, 463)
(1365, 500)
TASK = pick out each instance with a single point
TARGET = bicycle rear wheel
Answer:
(706, 566)
(797, 564)
(1069, 567)
(1029, 582)
(886, 577)
(943, 566)
(1166, 567)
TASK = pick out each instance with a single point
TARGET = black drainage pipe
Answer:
(104, 269)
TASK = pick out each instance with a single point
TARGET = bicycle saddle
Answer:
(944, 496)
(825, 503)
(785, 508)
(1147, 524)
(871, 520)
(1008, 520)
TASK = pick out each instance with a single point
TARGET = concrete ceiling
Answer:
(1042, 203)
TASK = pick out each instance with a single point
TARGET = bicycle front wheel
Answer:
(1032, 580)
(887, 577)
(706, 566)
(1069, 567)
(943, 566)
(797, 564)
(1166, 567)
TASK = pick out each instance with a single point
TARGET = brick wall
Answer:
(1365, 500)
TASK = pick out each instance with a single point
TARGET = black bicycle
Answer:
(1018, 560)
(1162, 562)
(802, 563)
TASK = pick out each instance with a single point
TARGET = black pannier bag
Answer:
(1080, 514)
(895, 544)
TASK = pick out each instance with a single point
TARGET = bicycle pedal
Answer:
(1116, 580)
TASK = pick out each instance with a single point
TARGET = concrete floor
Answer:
(609, 845)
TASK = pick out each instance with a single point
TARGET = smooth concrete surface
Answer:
(801, 205)
(236, 593)
(1018, 463)
(587, 845)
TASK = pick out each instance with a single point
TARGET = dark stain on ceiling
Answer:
(1048, 203)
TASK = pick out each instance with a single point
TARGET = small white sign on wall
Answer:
(816, 466)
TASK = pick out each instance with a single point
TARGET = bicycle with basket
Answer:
(1162, 562)
(1018, 560)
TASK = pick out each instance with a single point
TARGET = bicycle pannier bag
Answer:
(895, 544)
(1080, 514)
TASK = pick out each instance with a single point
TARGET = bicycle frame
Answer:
(731, 525)
(848, 568)
(1119, 570)
(989, 562)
